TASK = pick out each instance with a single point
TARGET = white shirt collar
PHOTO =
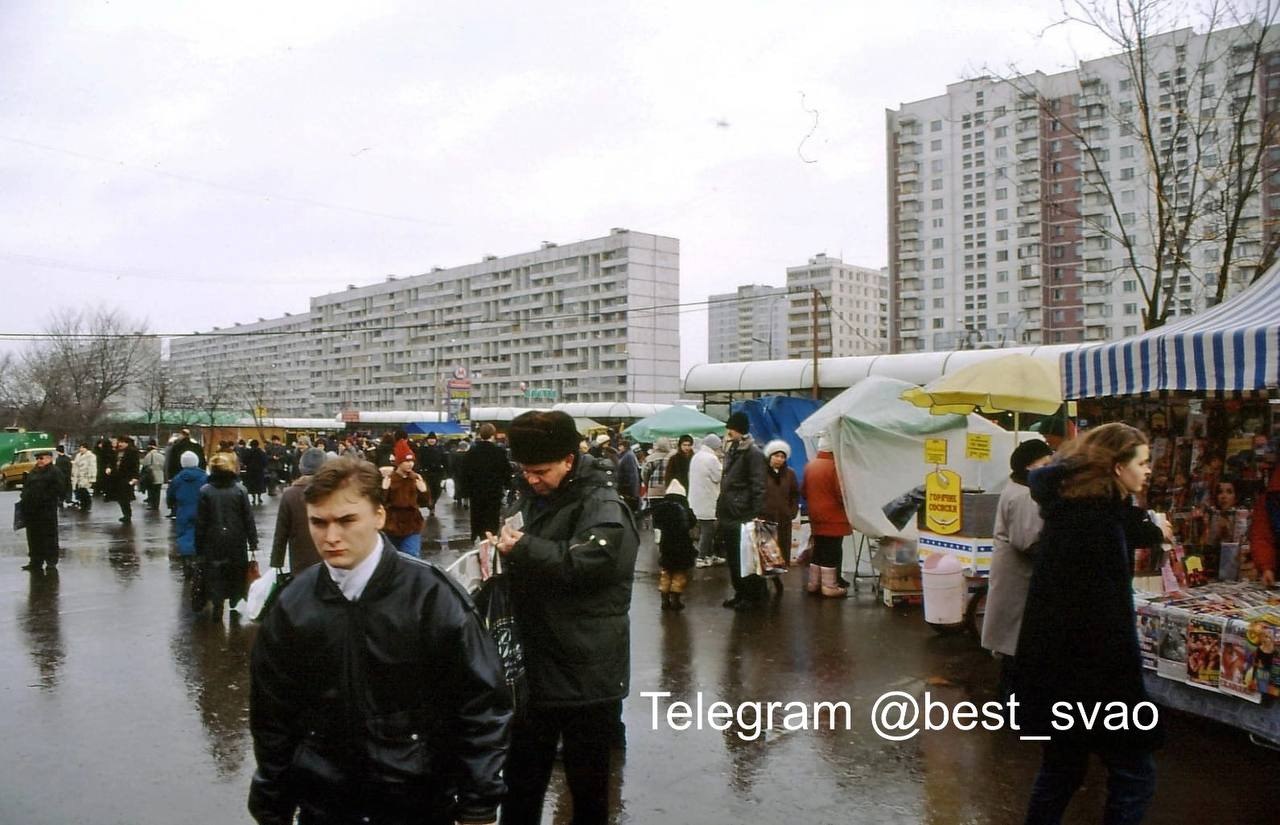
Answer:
(353, 582)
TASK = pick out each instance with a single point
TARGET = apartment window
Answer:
(1130, 331)
(935, 145)
(1002, 214)
(938, 323)
(1002, 254)
(999, 112)
(1002, 152)
(939, 283)
(1002, 234)
(935, 184)
(937, 223)
(1126, 173)
(936, 243)
(1126, 196)
(1002, 297)
(1002, 131)
(936, 203)
(1002, 193)
(1126, 152)
(935, 126)
(1130, 309)
(937, 263)
(1129, 286)
(1057, 167)
(1125, 84)
(939, 303)
(935, 165)
(1002, 276)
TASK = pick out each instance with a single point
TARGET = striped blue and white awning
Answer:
(1233, 347)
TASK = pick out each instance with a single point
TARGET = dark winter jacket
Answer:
(173, 464)
(1078, 641)
(742, 483)
(184, 501)
(674, 518)
(255, 470)
(41, 492)
(63, 463)
(432, 462)
(628, 475)
(125, 466)
(484, 472)
(781, 495)
(385, 708)
(678, 468)
(225, 531)
(571, 588)
(293, 531)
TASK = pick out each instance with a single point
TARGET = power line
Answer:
(465, 324)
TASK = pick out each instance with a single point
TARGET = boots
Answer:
(830, 588)
(815, 579)
(677, 601)
(666, 601)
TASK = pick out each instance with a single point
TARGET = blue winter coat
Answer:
(184, 499)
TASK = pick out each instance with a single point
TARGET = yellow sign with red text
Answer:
(942, 500)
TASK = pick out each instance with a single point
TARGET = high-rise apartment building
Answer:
(595, 320)
(852, 308)
(1007, 197)
(747, 325)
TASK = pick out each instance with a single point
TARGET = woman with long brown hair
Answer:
(1078, 642)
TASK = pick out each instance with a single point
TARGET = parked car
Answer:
(24, 461)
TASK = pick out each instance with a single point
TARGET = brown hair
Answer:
(336, 472)
(1092, 460)
(487, 431)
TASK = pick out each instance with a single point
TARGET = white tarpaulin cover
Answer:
(878, 441)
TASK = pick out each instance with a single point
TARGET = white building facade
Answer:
(595, 320)
(747, 325)
(1000, 231)
(853, 308)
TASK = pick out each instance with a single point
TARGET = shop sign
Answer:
(942, 501)
(977, 446)
(935, 451)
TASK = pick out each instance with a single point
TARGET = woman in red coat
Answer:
(828, 522)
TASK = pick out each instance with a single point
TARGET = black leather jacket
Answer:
(742, 484)
(390, 707)
(571, 588)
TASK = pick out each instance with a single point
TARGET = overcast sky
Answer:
(205, 163)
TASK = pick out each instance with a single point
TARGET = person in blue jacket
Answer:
(184, 499)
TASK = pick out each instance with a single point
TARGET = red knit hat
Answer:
(403, 452)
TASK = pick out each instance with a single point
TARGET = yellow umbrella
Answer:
(1014, 383)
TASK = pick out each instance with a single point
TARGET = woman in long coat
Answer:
(225, 533)
(255, 471)
(1079, 642)
(781, 497)
(184, 501)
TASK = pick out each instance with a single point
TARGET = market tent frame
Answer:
(1232, 347)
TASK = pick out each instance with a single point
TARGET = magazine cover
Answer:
(1148, 618)
(1239, 660)
(1204, 650)
(1172, 651)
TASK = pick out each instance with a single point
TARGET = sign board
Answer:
(977, 446)
(351, 416)
(935, 451)
(943, 497)
(541, 394)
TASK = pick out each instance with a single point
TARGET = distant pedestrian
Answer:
(434, 466)
(781, 498)
(705, 471)
(183, 500)
(105, 452)
(292, 531)
(828, 522)
(62, 461)
(741, 502)
(84, 469)
(485, 475)
(678, 464)
(41, 493)
(122, 476)
(674, 521)
(255, 471)
(225, 534)
(403, 494)
(653, 473)
(151, 478)
(628, 475)
(276, 465)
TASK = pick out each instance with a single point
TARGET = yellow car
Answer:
(24, 461)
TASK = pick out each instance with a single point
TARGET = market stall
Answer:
(1203, 390)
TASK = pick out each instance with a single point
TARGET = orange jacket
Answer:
(821, 490)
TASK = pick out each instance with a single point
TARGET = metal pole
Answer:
(815, 343)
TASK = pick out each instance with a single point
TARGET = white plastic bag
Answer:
(259, 591)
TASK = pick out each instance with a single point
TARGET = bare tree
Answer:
(161, 392)
(257, 395)
(1191, 103)
(214, 391)
(84, 363)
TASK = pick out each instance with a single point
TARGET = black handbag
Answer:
(19, 519)
(494, 601)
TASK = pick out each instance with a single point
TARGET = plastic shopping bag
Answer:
(767, 552)
(494, 602)
(259, 590)
(801, 542)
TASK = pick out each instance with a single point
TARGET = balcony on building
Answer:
(1029, 192)
(909, 171)
(1029, 273)
(909, 230)
(908, 285)
(1029, 170)
(1028, 148)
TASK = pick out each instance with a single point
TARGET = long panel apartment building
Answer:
(595, 320)
(1010, 200)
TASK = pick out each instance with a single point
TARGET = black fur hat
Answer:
(543, 437)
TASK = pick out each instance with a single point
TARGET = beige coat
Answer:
(1018, 527)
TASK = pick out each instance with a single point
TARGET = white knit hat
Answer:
(777, 446)
(675, 488)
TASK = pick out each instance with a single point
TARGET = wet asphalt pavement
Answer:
(118, 705)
